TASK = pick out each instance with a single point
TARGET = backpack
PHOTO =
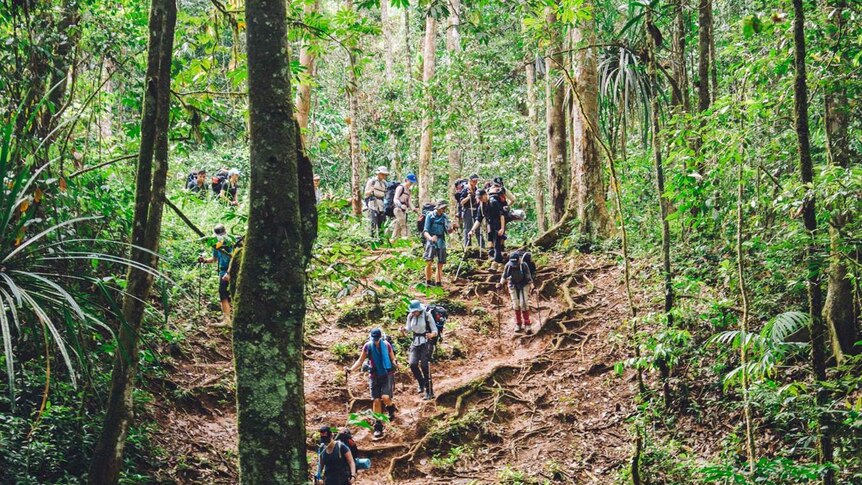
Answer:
(389, 199)
(440, 316)
(193, 176)
(522, 263)
(507, 214)
(420, 223)
(346, 437)
(218, 180)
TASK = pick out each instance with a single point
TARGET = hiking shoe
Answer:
(518, 329)
(421, 388)
(428, 283)
(429, 395)
(378, 430)
(528, 330)
(391, 409)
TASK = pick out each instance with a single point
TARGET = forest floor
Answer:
(547, 406)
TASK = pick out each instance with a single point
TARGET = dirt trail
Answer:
(548, 406)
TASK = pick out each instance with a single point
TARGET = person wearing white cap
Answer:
(317, 196)
(229, 187)
(375, 192)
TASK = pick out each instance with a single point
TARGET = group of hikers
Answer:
(482, 214)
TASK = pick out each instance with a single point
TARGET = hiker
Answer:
(423, 330)
(401, 205)
(222, 253)
(520, 274)
(507, 197)
(375, 192)
(381, 357)
(218, 180)
(229, 187)
(335, 461)
(198, 183)
(469, 209)
(495, 212)
(317, 196)
(436, 227)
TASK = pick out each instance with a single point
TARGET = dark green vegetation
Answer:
(711, 146)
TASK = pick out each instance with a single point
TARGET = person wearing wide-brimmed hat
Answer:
(375, 192)
(423, 330)
(437, 225)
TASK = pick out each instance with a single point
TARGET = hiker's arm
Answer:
(319, 474)
(502, 224)
(351, 461)
(368, 188)
(392, 356)
(432, 327)
(399, 191)
(362, 357)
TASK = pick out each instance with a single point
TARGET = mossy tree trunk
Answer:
(813, 252)
(307, 61)
(270, 295)
(146, 227)
(556, 115)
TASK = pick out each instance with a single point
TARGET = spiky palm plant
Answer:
(32, 290)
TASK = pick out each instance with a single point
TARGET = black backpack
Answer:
(193, 176)
(389, 199)
(346, 437)
(440, 316)
(420, 223)
(522, 264)
(218, 180)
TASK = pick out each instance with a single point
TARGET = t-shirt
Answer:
(493, 212)
(223, 256)
(377, 188)
(333, 466)
(367, 349)
(437, 226)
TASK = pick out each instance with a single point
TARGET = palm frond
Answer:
(782, 326)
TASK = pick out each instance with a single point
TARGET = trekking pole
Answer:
(463, 257)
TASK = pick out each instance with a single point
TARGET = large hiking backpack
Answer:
(440, 316)
(389, 199)
(345, 436)
(192, 177)
(218, 180)
(523, 263)
(420, 223)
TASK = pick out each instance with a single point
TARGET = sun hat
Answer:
(232, 172)
(411, 178)
(415, 306)
(441, 204)
(383, 170)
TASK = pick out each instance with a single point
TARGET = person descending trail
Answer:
(401, 205)
(223, 251)
(520, 274)
(469, 201)
(437, 225)
(423, 329)
(375, 193)
(335, 461)
(381, 357)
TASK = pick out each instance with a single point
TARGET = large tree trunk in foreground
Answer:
(146, 228)
(809, 216)
(270, 295)
(306, 60)
(839, 311)
(426, 142)
(535, 159)
(556, 115)
(453, 47)
(587, 192)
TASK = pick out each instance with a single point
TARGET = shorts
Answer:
(432, 252)
(223, 293)
(381, 385)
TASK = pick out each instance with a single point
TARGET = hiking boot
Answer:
(428, 283)
(528, 330)
(378, 429)
(391, 409)
(421, 387)
(429, 395)
(518, 328)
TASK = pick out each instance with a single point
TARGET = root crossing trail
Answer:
(547, 406)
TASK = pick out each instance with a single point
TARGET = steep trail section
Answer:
(508, 407)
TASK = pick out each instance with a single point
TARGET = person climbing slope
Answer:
(223, 254)
(423, 330)
(335, 461)
(520, 273)
(403, 205)
(469, 201)
(381, 379)
(230, 186)
(436, 227)
(375, 192)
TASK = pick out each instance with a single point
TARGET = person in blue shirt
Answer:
(222, 254)
(437, 225)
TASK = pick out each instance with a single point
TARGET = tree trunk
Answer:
(426, 142)
(587, 191)
(840, 311)
(63, 60)
(556, 115)
(660, 189)
(386, 30)
(303, 91)
(679, 96)
(453, 47)
(146, 227)
(809, 216)
(533, 131)
(270, 295)
(408, 53)
(704, 20)
(357, 166)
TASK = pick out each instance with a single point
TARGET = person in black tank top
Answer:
(335, 464)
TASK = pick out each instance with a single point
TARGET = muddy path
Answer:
(547, 406)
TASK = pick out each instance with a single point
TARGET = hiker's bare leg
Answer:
(226, 310)
(377, 406)
(439, 272)
(428, 271)
(387, 401)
